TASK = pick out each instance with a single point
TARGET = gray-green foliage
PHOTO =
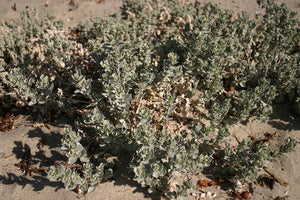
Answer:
(71, 145)
(161, 158)
(164, 82)
(85, 176)
(35, 65)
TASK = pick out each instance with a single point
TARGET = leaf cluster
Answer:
(163, 81)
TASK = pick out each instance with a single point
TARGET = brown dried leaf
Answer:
(206, 183)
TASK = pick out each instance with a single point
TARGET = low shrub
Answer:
(160, 80)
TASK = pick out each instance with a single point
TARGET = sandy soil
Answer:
(81, 10)
(71, 13)
(29, 134)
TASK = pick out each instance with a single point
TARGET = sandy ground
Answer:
(14, 186)
(82, 10)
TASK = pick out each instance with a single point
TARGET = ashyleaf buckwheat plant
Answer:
(163, 81)
(39, 64)
(163, 161)
(276, 49)
(79, 173)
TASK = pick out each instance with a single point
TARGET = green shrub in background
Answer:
(161, 81)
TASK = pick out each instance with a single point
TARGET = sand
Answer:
(14, 185)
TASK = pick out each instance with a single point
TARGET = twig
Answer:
(151, 90)
(177, 118)
(281, 182)
(236, 138)
(12, 94)
(9, 155)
